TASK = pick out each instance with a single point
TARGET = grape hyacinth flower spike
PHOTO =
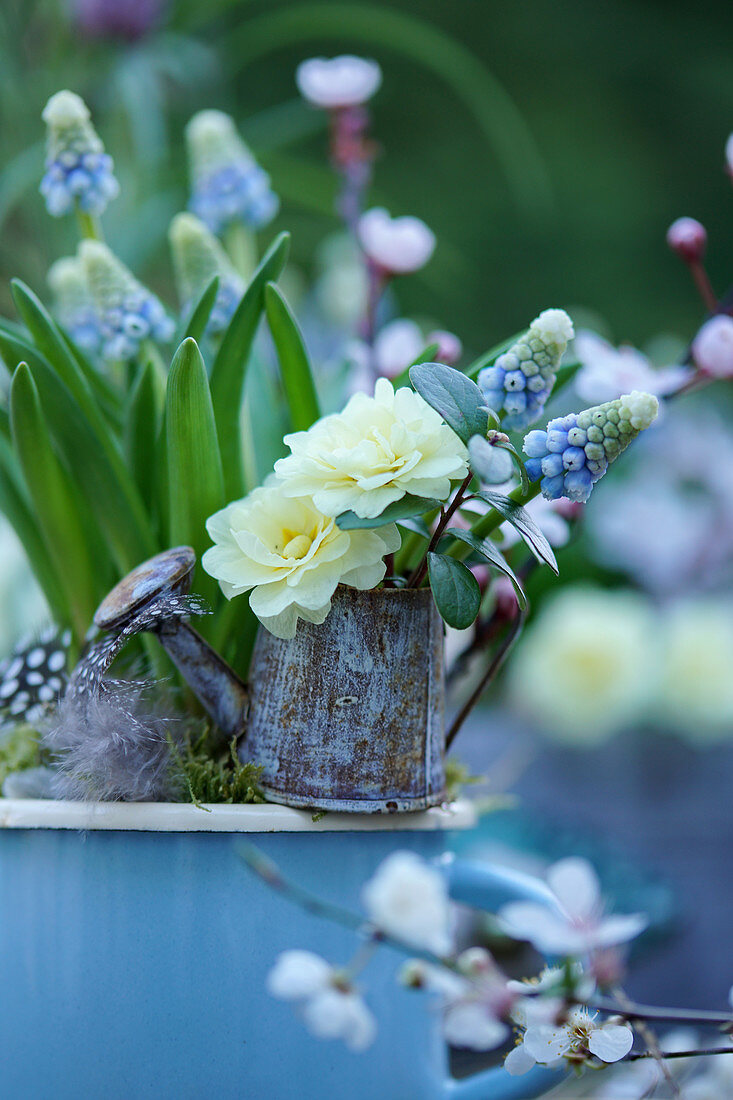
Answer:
(128, 312)
(198, 257)
(575, 451)
(78, 171)
(227, 184)
(521, 380)
(73, 303)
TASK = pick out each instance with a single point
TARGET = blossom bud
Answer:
(395, 246)
(227, 184)
(688, 238)
(712, 348)
(729, 156)
(197, 259)
(78, 171)
(505, 598)
(575, 451)
(521, 380)
(338, 82)
(73, 303)
(128, 312)
(450, 348)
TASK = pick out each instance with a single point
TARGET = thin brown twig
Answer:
(445, 518)
(706, 1052)
(650, 1038)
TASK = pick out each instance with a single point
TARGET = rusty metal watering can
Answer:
(348, 715)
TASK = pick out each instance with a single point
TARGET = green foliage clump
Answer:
(212, 777)
(19, 750)
(458, 776)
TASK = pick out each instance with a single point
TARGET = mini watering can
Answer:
(348, 715)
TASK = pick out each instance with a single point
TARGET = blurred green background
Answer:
(549, 144)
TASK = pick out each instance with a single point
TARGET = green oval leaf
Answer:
(492, 554)
(295, 368)
(458, 400)
(527, 527)
(455, 590)
(404, 508)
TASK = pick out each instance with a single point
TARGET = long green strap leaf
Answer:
(196, 482)
(142, 425)
(53, 348)
(129, 541)
(53, 501)
(15, 506)
(230, 365)
(295, 368)
(198, 319)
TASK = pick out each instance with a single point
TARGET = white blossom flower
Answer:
(329, 1005)
(408, 898)
(729, 155)
(372, 453)
(396, 346)
(588, 665)
(638, 1080)
(552, 979)
(696, 695)
(291, 556)
(337, 82)
(607, 372)
(578, 927)
(475, 1001)
(397, 246)
(297, 975)
(712, 348)
(578, 1039)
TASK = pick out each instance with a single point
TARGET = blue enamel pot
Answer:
(135, 943)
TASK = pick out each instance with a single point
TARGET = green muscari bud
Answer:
(197, 258)
(73, 303)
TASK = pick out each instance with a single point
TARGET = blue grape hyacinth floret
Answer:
(128, 312)
(227, 184)
(197, 258)
(576, 450)
(78, 171)
(521, 380)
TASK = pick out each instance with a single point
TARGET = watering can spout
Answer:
(154, 598)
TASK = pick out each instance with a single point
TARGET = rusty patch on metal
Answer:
(352, 710)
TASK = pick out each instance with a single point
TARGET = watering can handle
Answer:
(484, 886)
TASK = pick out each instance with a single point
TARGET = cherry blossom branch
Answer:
(637, 1055)
(445, 517)
(633, 1011)
(270, 874)
(653, 1048)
